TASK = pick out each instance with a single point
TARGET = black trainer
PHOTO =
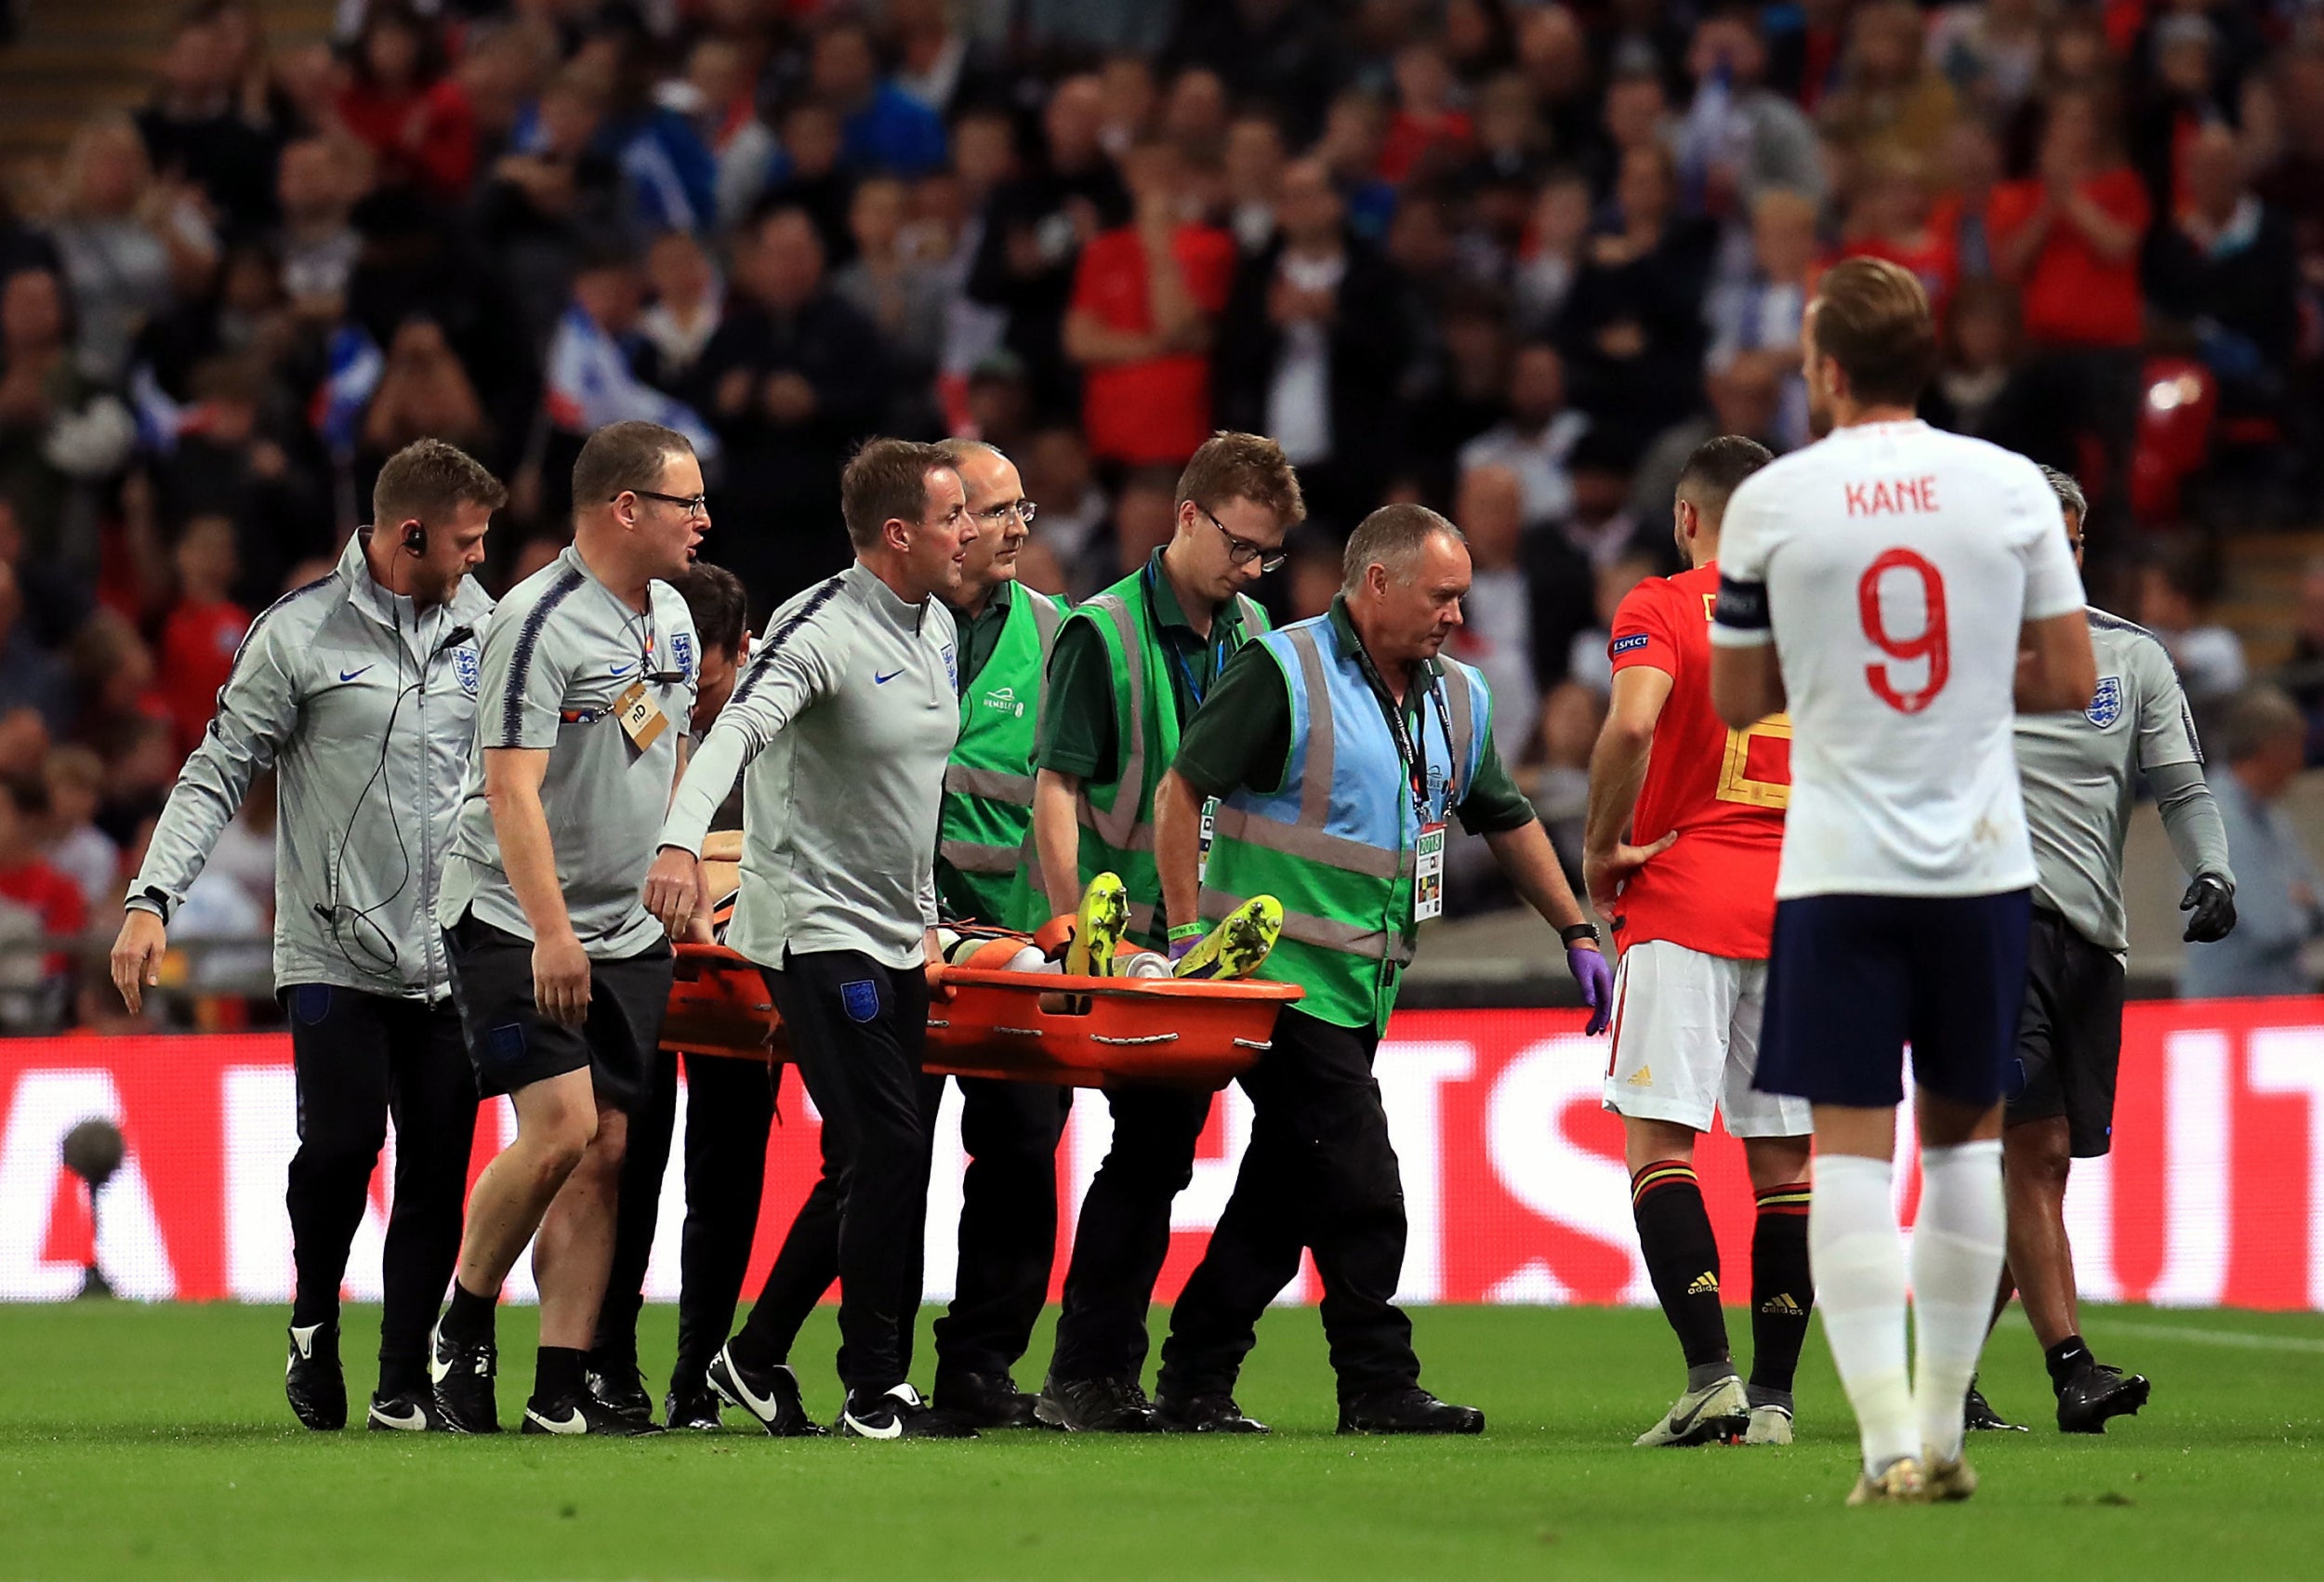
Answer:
(2096, 1393)
(986, 1401)
(582, 1413)
(770, 1395)
(1978, 1416)
(619, 1385)
(411, 1413)
(1408, 1409)
(1204, 1414)
(1094, 1405)
(692, 1407)
(462, 1376)
(312, 1379)
(899, 1413)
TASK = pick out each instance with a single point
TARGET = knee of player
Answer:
(334, 1152)
(2039, 1155)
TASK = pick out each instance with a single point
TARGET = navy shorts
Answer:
(1853, 979)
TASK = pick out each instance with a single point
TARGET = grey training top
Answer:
(2079, 775)
(845, 717)
(367, 709)
(563, 649)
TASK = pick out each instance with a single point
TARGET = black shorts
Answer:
(1853, 979)
(2070, 1039)
(512, 1045)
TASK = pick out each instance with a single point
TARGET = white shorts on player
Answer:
(1687, 1043)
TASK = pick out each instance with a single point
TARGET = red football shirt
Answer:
(1157, 410)
(197, 656)
(1724, 791)
(2071, 296)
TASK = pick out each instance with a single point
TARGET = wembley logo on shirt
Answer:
(1005, 699)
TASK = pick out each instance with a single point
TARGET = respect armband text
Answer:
(1742, 605)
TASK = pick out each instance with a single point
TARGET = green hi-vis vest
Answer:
(1336, 843)
(1116, 816)
(984, 830)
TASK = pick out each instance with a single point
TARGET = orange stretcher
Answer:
(1189, 1034)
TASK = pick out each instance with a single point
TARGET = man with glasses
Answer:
(1130, 666)
(560, 973)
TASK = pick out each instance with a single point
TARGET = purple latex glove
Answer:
(1590, 969)
(1179, 948)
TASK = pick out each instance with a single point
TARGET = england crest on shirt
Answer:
(2105, 705)
(682, 649)
(466, 667)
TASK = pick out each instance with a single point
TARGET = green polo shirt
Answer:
(1076, 734)
(1242, 738)
(980, 633)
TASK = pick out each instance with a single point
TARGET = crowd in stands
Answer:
(1511, 259)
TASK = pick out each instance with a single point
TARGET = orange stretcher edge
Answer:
(1190, 1035)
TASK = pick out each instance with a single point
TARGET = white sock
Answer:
(1958, 1246)
(1858, 1259)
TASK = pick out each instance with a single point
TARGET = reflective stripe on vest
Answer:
(968, 785)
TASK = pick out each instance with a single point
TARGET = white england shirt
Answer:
(1893, 565)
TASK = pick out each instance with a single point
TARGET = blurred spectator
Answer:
(551, 198)
(1131, 100)
(242, 314)
(2188, 73)
(1889, 217)
(1739, 139)
(902, 295)
(245, 851)
(1888, 92)
(669, 177)
(1311, 348)
(77, 848)
(416, 120)
(793, 380)
(113, 683)
(228, 462)
(1550, 257)
(1353, 128)
(23, 741)
(688, 300)
(2226, 271)
(1428, 135)
(721, 93)
(1972, 168)
(1279, 52)
(204, 629)
(1989, 51)
(1251, 180)
(1459, 386)
(882, 128)
(60, 432)
(1194, 118)
(1526, 600)
(2304, 673)
(1536, 437)
(1981, 387)
(1632, 330)
(1590, 666)
(999, 405)
(1553, 55)
(811, 175)
(22, 246)
(983, 159)
(937, 65)
(30, 676)
(1745, 397)
(1146, 297)
(2176, 590)
(1636, 117)
(316, 187)
(1145, 514)
(1601, 522)
(1076, 513)
(197, 130)
(503, 69)
(424, 393)
(1035, 231)
(2279, 905)
(129, 242)
(37, 902)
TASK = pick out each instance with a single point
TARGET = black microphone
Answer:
(453, 639)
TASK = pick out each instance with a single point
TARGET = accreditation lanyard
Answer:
(1428, 870)
(1221, 651)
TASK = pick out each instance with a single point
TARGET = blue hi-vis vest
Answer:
(1336, 843)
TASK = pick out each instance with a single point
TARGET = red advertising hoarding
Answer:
(1513, 1175)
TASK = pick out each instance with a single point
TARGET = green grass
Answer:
(153, 1442)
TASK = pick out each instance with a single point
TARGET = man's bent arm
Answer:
(1178, 847)
(1057, 837)
(513, 790)
(2055, 667)
(1617, 764)
(1746, 683)
(2190, 817)
(1524, 855)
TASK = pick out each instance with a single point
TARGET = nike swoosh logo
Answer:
(619, 669)
(575, 1423)
(763, 1407)
(894, 1431)
(303, 1336)
(879, 680)
(351, 674)
(414, 1420)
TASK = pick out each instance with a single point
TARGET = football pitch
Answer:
(140, 1441)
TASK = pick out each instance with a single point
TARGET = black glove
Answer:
(2212, 900)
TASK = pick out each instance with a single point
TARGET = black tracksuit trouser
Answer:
(1319, 1173)
(360, 1061)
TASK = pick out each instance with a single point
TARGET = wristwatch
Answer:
(1580, 933)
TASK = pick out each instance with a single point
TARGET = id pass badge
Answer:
(1428, 874)
(642, 720)
(1210, 828)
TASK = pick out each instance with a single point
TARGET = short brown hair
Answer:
(887, 481)
(623, 457)
(1391, 536)
(1250, 466)
(430, 479)
(715, 599)
(1716, 469)
(1872, 319)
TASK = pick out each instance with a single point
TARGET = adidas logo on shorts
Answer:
(1781, 1303)
(1642, 1078)
(1706, 1285)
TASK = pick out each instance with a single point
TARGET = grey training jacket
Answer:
(327, 687)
